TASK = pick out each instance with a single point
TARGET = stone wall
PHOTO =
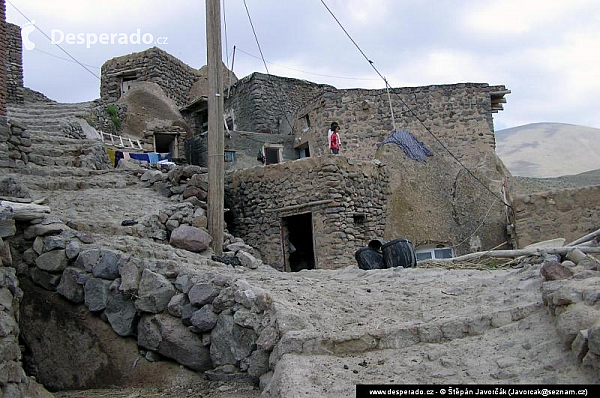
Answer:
(568, 213)
(15, 146)
(346, 199)
(267, 104)
(14, 64)
(3, 59)
(432, 202)
(154, 65)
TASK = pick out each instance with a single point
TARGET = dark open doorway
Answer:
(297, 239)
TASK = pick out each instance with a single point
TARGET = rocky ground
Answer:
(339, 328)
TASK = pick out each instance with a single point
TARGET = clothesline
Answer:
(149, 157)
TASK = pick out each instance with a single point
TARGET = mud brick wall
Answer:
(268, 104)
(343, 189)
(3, 41)
(14, 64)
(154, 65)
(567, 213)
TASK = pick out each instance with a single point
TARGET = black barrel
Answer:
(399, 253)
(369, 258)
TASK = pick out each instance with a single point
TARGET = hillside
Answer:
(526, 185)
(549, 149)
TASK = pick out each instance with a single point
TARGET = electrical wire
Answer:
(303, 71)
(256, 38)
(57, 45)
(410, 109)
(64, 59)
(264, 62)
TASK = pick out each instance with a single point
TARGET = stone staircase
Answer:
(56, 140)
(48, 117)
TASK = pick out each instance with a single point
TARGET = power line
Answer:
(256, 38)
(64, 59)
(57, 45)
(303, 71)
(263, 59)
(387, 85)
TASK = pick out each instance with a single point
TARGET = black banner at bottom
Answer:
(497, 390)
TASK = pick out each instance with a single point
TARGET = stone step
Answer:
(402, 334)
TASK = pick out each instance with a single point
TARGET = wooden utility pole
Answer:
(216, 190)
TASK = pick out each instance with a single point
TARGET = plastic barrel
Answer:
(369, 258)
(399, 253)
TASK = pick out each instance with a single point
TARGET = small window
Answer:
(229, 156)
(305, 123)
(229, 123)
(272, 155)
(434, 252)
(443, 253)
(359, 218)
(423, 256)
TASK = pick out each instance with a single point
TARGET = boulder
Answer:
(169, 337)
(87, 259)
(45, 279)
(230, 343)
(247, 260)
(224, 300)
(96, 293)
(54, 242)
(121, 314)
(190, 238)
(176, 304)
(594, 338)
(107, 265)
(202, 293)
(204, 319)
(131, 273)
(154, 292)
(69, 287)
(577, 317)
(72, 250)
(54, 261)
(258, 363)
(552, 271)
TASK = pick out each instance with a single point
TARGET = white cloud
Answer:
(520, 16)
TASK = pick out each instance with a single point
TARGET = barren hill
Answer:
(549, 149)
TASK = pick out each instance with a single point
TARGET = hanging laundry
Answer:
(412, 147)
(142, 157)
(153, 157)
(111, 155)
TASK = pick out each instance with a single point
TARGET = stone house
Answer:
(448, 205)
(442, 207)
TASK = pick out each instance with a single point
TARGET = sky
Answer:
(547, 52)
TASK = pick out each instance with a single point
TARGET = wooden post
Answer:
(215, 125)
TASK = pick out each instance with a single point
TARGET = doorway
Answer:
(297, 242)
(166, 143)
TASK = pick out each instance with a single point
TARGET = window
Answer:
(305, 123)
(434, 252)
(229, 156)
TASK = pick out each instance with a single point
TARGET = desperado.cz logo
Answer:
(57, 36)
(26, 30)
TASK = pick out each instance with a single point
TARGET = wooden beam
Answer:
(294, 207)
(216, 191)
(520, 252)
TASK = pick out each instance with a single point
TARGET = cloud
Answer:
(516, 17)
